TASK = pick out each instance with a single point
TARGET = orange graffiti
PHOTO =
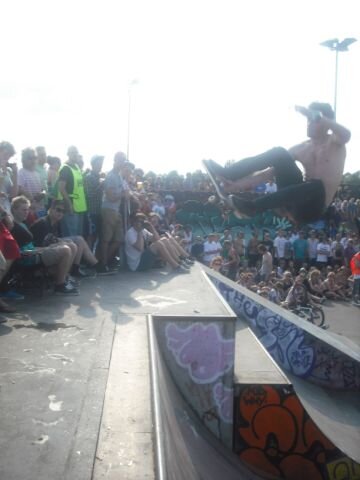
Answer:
(274, 434)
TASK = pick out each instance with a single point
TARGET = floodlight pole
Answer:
(335, 46)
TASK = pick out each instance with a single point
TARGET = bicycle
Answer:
(311, 313)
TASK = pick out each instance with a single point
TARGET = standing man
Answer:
(93, 182)
(71, 190)
(111, 234)
(266, 263)
(8, 176)
(279, 246)
(300, 247)
(29, 180)
(40, 167)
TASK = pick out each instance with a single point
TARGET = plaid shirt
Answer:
(94, 192)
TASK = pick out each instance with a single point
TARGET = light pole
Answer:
(335, 46)
(131, 84)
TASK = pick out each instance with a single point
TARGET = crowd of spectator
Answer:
(78, 223)
(294, 267)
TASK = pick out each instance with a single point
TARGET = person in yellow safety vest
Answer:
(355, 270)
(71, 190)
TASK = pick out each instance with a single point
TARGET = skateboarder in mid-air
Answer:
(301, 199)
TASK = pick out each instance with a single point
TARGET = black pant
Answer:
(304, 200)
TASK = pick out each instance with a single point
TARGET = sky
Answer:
(204, 79)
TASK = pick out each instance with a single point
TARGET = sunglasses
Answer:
(60, 210)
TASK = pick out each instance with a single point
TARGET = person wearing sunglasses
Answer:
(301, 198)
(47, 230)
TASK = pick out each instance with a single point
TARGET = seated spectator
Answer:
(188, 238)
(315, 284)
(287, 280)
(332, 289)
(143, 246)
(276, 293)
(57, 257)
(47, 231)
(297, 295)
(9, 252)
(4, 307)
(217, 264)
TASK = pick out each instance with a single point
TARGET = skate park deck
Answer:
(74, 375)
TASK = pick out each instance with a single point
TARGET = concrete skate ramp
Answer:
(336, 414)
(297, 346)
(185, 450)
(280, 421)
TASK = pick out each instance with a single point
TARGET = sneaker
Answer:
(189, 261)
(356, 303)
(66, 289)
(184, 264)
(3, 320)
(72, 281)
(82, 273)
(12, 295)
(5, 308)
(104, 270)
(181, 269)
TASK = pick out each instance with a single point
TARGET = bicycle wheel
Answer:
(317, 316)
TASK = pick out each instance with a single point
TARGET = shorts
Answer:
(52, 255)
(93, 224)
(111, 225)
(147, 260)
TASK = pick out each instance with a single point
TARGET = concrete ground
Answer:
(74, 375)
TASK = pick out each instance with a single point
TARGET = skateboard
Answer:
(222, 194)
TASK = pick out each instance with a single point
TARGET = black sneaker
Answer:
(66, 289)
(85, 273)
(104, 270)
(181, 269)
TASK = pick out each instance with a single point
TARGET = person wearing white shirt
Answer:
(212, 248)
(143, 246)
(279, 245)
(323, 253)
(270, 187)
(312, 248)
